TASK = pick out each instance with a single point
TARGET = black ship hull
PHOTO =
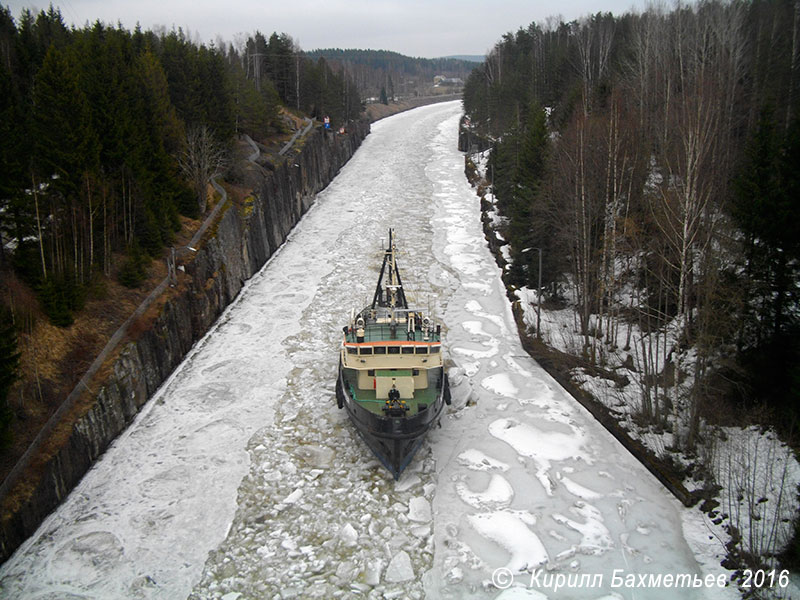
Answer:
(394, 440)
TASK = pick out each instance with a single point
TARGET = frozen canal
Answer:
(242, 480)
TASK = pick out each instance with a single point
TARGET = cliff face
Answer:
(241, 242)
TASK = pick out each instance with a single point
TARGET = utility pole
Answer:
(297, 78)
(256, 57)
(539, 299)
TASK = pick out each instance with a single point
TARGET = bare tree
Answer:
(202, 159)
(594, 39)
(698, 92)
(758, 491)
(577, 187)
(620, 148)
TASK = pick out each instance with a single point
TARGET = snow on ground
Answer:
(758, 473)
(242, 479)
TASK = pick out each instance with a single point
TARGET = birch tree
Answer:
(593, 39)
(202, 159)
(696, 157)
(578, 185)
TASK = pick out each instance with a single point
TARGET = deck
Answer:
(380, 332)
(367, 399)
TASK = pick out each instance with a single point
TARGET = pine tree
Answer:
(162, 116)
(15, 215)
(529, 228)
(65, 142)
(282, 64)
(134, 270)
(256, 113)
(54, 297)
(766, 209)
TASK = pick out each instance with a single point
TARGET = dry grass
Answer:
(79, 355)
(53, 359)
(379, 111)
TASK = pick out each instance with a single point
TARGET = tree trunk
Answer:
(39, 225)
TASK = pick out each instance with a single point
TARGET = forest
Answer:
(652, 159)
(384, 74)
(108, 138)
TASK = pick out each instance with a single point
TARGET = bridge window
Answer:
(408, 349)
(380, 349)
(366, 350)
(421, 349)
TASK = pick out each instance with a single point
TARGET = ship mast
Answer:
(394, 296)
(392, 286)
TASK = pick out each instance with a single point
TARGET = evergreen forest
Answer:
(103, 133)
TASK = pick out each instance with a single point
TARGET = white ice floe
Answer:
(500, 384)
(497, 493)
(463, 350)
(578, 490)
(407, 482)
(293, 497)
(511, 531)
(514, 366)
(348, 535)
(373, 570)
(595, 537)
(474, 327)
(478, 461)
(400, 568)
(540, 444)
(419, 510)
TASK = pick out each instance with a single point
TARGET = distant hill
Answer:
(473, 58)
(396, 75)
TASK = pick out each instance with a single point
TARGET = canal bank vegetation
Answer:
(108, 141)
(649, 161)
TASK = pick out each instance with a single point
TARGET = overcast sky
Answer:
(428, 29)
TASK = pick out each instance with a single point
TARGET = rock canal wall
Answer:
(240, 242)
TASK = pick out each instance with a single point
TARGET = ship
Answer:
(392, 381)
